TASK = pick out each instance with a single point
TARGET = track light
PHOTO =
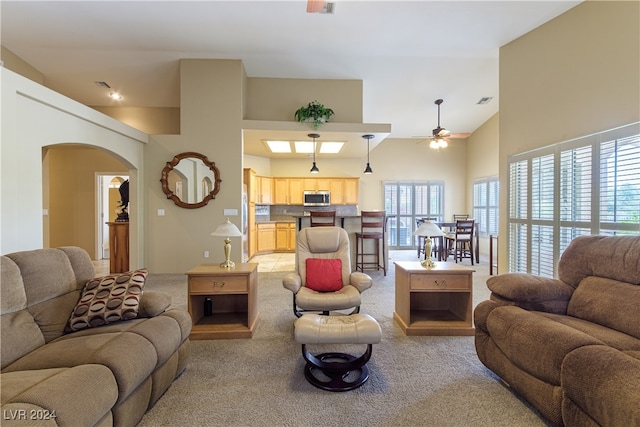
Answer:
(314, 168)
(368, 169)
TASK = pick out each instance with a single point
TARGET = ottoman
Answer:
(337, 369)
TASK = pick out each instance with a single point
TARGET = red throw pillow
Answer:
(324, 275)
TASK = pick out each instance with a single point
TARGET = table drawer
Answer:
(213, 284)
(440, 282)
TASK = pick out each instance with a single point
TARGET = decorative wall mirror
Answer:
(190, 180)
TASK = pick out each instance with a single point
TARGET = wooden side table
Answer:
(233, 295)
(436, 301)
(118, 247)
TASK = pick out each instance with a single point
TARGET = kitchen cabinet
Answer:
(289, 191)
(264, 186)
(280, 191)
(249, 179)
(266, 237)
(285, 236)
(296, 188)
(350, 191)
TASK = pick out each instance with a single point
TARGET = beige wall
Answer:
(278, 99)
(72, 193)
(150, 120)
(576, 75)
(482, 162)
(211, 118)
(17, 65)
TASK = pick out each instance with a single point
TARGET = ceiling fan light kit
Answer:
(438, 138)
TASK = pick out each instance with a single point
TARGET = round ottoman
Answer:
(336, 368)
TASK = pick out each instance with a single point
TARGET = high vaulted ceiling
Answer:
(407, 53)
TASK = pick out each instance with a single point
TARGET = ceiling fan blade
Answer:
(458, 135)
(315, 6)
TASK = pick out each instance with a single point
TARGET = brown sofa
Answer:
(570, 346)
(96, 376)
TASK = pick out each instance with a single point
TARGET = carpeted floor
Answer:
(415, 381)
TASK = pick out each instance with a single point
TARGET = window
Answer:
(589, 185)
(485, 205)
(404, 202)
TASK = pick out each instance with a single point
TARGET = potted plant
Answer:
(314, 112)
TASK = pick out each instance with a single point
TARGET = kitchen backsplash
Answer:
(287, 213)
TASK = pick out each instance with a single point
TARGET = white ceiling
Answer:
(407, 53)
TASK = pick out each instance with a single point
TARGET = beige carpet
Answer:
(415, 381)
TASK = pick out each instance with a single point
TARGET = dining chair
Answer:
(372, 227)
(460, 216)
(323, 218)
(460, 242)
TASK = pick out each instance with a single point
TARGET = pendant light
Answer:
(368, 170)
(314, 168)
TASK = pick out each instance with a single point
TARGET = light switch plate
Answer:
(160, 212)
(230, 212)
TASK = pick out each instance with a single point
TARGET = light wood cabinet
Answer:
(232, 294)
(250, 180)
(264, 186)
(350, 191)
(281, 191)
(309, 184)
(266, 237)
(296, 188)
(292, 236)
(285, 236)
(435, 301)
(289, 191)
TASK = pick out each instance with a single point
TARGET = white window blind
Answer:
(619, 184)
(407, 201)
(589, 185)
(485, 205)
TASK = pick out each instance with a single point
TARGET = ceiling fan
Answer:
(319, 6)
(440, 136)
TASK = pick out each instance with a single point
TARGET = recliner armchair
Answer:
(325, 243)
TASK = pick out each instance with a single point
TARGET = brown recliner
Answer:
(571, 345)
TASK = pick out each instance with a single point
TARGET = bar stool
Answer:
(322, 218)
(373, 227)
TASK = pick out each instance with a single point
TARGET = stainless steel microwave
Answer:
(316, 198)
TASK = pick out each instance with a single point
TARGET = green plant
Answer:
(314, 112)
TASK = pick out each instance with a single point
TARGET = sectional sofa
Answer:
(83, 351)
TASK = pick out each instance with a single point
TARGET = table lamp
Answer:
(226, 230)
(428, 229)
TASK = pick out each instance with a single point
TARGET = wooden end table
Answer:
(233, 294)
(436, 301)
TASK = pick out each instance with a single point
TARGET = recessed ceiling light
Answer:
(279, 146)
(304, 146)
(115, 95)
(331, 147)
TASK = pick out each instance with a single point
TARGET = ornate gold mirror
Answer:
(190, 180)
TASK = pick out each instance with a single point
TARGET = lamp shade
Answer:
(428, 229)
(227, 229)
